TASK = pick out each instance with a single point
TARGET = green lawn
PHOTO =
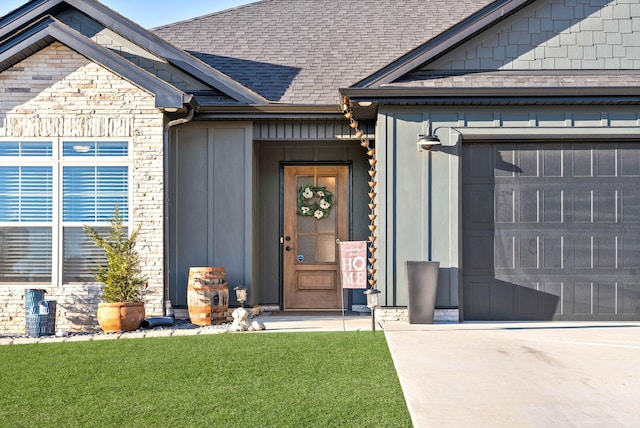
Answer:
(225, 380)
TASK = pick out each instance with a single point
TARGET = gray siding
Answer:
(557, 34)
(420, 192)
(307, 130)
(211, 203)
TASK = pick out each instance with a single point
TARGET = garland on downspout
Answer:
(371, 152)
(166, 306)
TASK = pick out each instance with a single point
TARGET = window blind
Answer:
(26, 193)
(25, 254)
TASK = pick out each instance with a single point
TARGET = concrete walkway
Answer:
(519, 374)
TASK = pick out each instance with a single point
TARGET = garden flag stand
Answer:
(353, 266)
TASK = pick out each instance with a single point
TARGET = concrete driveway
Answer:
(519, 374)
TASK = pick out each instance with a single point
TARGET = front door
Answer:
(316, 214)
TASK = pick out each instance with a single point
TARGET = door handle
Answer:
(288, 248)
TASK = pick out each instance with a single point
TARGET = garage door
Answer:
(551, 231)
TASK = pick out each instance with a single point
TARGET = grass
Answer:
(337, 379)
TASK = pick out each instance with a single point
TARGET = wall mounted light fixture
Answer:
(427, 142)
(81, 148)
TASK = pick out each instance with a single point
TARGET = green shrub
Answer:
(122, 276)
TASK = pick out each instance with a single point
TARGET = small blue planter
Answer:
(40, 315)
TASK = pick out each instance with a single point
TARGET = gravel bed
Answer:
(178, 324)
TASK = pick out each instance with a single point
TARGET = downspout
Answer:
(167, 199)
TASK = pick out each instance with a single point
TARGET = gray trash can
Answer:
(50, 325)
(423, 282)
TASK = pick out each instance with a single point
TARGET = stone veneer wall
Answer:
(402, 314)
(59, 93)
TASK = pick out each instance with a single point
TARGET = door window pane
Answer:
(307, 248)
(317, 237)
(327, 249)
(306, 224)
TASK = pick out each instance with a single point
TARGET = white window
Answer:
(48, 191)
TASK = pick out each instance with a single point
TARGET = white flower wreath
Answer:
(314, 201)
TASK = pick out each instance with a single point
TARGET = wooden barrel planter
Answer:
(207, 295)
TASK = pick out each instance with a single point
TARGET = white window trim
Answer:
(57, 162)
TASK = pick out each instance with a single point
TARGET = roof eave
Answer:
(282, 111)
(25, 14)
(386, 93)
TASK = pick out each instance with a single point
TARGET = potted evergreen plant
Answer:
(122, 309)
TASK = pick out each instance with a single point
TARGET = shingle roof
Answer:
(128, 40)
(302, 51)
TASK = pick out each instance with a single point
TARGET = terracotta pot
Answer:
(122, 316)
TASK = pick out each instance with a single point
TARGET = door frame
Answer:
(283, 164)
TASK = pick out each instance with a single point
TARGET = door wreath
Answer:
(314, 201)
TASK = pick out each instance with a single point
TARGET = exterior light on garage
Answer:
(427, 142)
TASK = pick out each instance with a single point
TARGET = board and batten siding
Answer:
(307, 130)
(419, 195)
(211, 205)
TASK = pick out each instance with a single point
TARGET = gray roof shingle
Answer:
(302, 51)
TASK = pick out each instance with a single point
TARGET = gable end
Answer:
(49, 29)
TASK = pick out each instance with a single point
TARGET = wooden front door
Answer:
(311, 277)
